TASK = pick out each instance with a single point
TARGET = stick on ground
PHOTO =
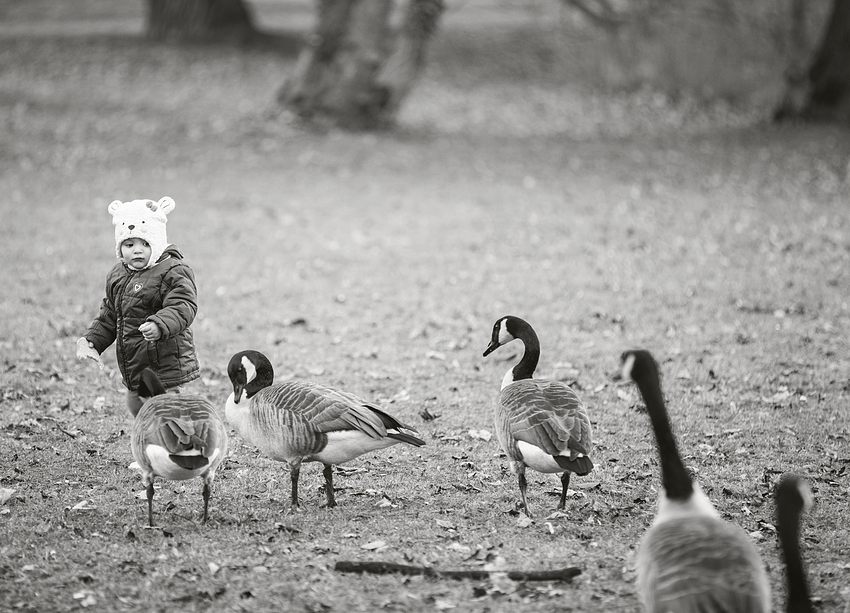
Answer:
(385, 568)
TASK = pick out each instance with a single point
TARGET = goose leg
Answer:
(149, 491)
(328, 472)
(523, 485)
(294, 473)
(565, 481)
(206, 495)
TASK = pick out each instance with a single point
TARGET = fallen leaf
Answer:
(445, 524)
(484, 435)
(5, 494)
(780, 396)
(524, 521)
(374, 545)
(214, 568)
(83, 505)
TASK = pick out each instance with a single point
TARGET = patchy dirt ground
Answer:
(378, 263)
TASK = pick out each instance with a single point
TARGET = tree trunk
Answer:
(355, 71)
(823, 92)
(199, 20)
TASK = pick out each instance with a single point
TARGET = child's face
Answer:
(135, 253)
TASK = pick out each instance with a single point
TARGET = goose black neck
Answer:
(789, 540)
(264, 377)
(675, 478)
(524, 369)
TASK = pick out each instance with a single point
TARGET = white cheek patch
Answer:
(250, 370)
(628, 364)
(806, 495)
(504, 335)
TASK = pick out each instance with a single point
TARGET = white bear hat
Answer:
(144, 219)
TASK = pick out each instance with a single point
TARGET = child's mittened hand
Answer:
(85, 349)
(150, 331)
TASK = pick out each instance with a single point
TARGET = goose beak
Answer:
(491, 348)
(238, 388)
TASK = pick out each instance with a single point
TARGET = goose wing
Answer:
(547, 414)
(700, 565)
(320, 408)
(185, 427)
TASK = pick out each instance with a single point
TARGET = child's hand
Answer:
(150, 331)
(85, 349)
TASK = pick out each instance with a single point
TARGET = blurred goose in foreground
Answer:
(298, 421)
(176, 437)
(793, 496)
(689, 560)
(540, 424)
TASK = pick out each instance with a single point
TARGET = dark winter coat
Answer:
(165, 294)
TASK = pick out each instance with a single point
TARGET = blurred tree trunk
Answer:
(823, 91)
(355, 71)
(199, 20)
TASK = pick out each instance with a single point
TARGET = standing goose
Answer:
(176, 437)
(298, 421)
(689, 560)
(793, 496)
(540, 424)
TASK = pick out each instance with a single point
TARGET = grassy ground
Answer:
(378, 263)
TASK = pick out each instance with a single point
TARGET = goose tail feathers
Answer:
(580, 465)
(189, 462)
(404, 437)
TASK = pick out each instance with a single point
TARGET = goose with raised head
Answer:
(300, 421)
(689, 560)
(540, 424)
(176, 437)
(793, 496)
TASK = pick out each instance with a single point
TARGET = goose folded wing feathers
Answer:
(554, 421)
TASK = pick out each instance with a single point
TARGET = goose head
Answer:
(639, 365)
(507, 329)
(249, 372)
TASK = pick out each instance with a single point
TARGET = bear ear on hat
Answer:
(166, 205)
(113, 206)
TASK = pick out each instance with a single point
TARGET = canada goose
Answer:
(689, 560)
(298, 421)
(176, 437)
(793, 496)
(540, 424)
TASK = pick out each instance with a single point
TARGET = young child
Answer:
(150, 303)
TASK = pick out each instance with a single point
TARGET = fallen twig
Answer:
(385, 568)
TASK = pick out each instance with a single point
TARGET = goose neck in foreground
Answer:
(674, 476)
(788, 526)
